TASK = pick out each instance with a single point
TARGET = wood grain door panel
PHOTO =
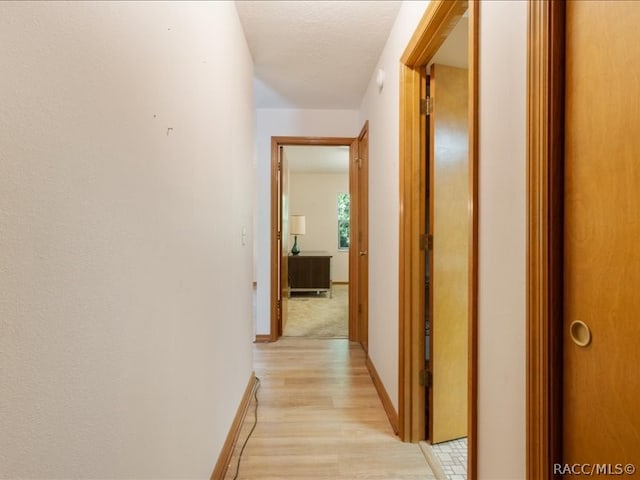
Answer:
(449, 165)
(284, 240)
(601, 395)
(363, 238)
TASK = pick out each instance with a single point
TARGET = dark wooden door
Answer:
(363, 238)
(283, 239)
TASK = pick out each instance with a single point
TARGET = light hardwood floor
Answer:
(319, 417)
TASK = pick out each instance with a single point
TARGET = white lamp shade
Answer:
(297, 224)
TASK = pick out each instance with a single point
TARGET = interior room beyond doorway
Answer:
(317, 201)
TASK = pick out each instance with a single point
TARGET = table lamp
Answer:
(297, 226)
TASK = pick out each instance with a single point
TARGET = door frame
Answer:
(276, 192)
(545, 210)
(431, 32)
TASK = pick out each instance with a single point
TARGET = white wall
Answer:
(125, 291)
(285, 122)
(502, 192)
(382, 111)
(502, 240)
(315, 195)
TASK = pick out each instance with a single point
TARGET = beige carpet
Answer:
(313, 315)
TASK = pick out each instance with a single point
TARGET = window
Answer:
(344, 204)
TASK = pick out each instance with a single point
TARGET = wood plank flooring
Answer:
(319, 417)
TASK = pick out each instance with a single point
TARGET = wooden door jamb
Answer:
(431, 32)
(276, 143)
(545, 160)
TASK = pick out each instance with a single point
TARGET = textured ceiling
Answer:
(314, 54)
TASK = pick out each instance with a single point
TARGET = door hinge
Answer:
(278, 235)
(359, 162)
(426, 242)
(426, 106)
(425, 378)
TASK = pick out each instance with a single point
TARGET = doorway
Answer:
(317, 191)
(417, 213)
(447, 252)
(280, 230)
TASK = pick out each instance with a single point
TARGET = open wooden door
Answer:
(449, 225)
(359, 240)
(601, 418)
(363, 238)
(283, 238)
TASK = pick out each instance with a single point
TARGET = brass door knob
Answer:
(580, 333)
(363, 253)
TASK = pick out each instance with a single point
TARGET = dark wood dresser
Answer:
(310, 272)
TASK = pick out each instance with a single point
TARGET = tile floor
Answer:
(452, 457)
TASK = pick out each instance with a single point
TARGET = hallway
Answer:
(319, 417)
(135, 215)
